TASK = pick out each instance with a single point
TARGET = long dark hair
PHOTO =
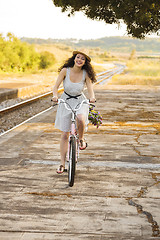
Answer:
(87, 66)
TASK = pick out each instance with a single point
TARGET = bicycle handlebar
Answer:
(86, 101)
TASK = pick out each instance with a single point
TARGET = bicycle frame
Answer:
(73, 130)
(73, 145)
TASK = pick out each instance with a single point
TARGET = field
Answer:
(144, 71)
(139, 72)
(61, 53)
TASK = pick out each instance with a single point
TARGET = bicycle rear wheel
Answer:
(72, 161)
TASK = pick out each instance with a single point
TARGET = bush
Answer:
(17, 56)
(47, 59)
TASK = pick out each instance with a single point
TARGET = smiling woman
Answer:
(88, 67)
(75, 73)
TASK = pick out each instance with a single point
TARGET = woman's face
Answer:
(79, 60)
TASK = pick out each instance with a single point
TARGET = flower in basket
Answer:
(94, 117)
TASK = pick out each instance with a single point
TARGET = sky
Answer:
(41, 19)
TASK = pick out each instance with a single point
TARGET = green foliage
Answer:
(47, 59)
(141, 17)
(18, 56)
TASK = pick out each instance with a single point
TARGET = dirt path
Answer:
(117, 188)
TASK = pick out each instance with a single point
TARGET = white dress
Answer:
(63, 116)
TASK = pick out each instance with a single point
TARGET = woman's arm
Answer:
(90, 89)
(59, 80)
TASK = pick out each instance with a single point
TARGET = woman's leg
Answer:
(81, 128)
(64, 147)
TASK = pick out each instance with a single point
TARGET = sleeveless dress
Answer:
(63, 116)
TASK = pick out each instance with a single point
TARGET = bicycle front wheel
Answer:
(72, 161)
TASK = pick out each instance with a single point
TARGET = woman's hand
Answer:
(59, 80)
(92, 100)
(54, 99)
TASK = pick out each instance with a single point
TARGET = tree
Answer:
(46, 59)
(16, 55)
(142, 17)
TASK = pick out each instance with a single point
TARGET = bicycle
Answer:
(73, 144)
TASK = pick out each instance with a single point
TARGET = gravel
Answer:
(16, 117)
(10, 102)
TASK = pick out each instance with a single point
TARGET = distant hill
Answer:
(115, 44)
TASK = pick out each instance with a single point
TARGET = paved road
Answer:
(117, 188)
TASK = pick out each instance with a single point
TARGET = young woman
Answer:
(75, 74)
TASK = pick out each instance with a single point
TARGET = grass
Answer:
(139, 72)
(149, 68)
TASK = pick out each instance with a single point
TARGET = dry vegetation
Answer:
(139, 72)
(61, 53)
